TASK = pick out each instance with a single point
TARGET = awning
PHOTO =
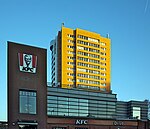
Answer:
(27, 123)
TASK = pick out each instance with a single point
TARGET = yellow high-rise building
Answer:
(81, 59)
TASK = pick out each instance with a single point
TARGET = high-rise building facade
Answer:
(81, 59)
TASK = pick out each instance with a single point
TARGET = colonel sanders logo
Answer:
(27, 63)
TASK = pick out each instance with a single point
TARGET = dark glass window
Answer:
(27, 126)
(27, 102)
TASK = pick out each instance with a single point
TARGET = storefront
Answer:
(67, 123)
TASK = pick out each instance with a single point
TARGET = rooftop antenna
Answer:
(107, 36)
(62, 24)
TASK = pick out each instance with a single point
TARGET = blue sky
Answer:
(36, 23)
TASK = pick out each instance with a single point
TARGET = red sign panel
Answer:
(27, 62)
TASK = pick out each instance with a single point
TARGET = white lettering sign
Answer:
(118, 123)
(81, 122)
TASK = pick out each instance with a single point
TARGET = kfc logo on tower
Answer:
(27, 62)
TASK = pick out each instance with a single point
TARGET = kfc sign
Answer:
(81, 122)
(27, 63)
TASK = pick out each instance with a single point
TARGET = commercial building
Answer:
(79, 123)
(34, 105)
(27, 80)
(81, 59)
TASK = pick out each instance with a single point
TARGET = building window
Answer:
(103, 69)
(102, 43)
(80, 47)
(71, 52)
(136, 112)
(103, 74)
(27, 101)
(102, 48)
(103, 79)
(68, 68)
(71, 36)
(83, 37)
(71, 74)
(103, 84)
(93, 40)
(103, 58)
(71, 41)
(103, 54)
(71, 80)
(72, 47)
(82, 42)
(71, 58)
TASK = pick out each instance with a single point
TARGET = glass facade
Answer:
(80, 103)
(27, 101)
(132, 110)
(67, 106)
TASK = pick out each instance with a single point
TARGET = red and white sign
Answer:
(27, 62)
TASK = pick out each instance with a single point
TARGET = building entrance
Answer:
(27, 126)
